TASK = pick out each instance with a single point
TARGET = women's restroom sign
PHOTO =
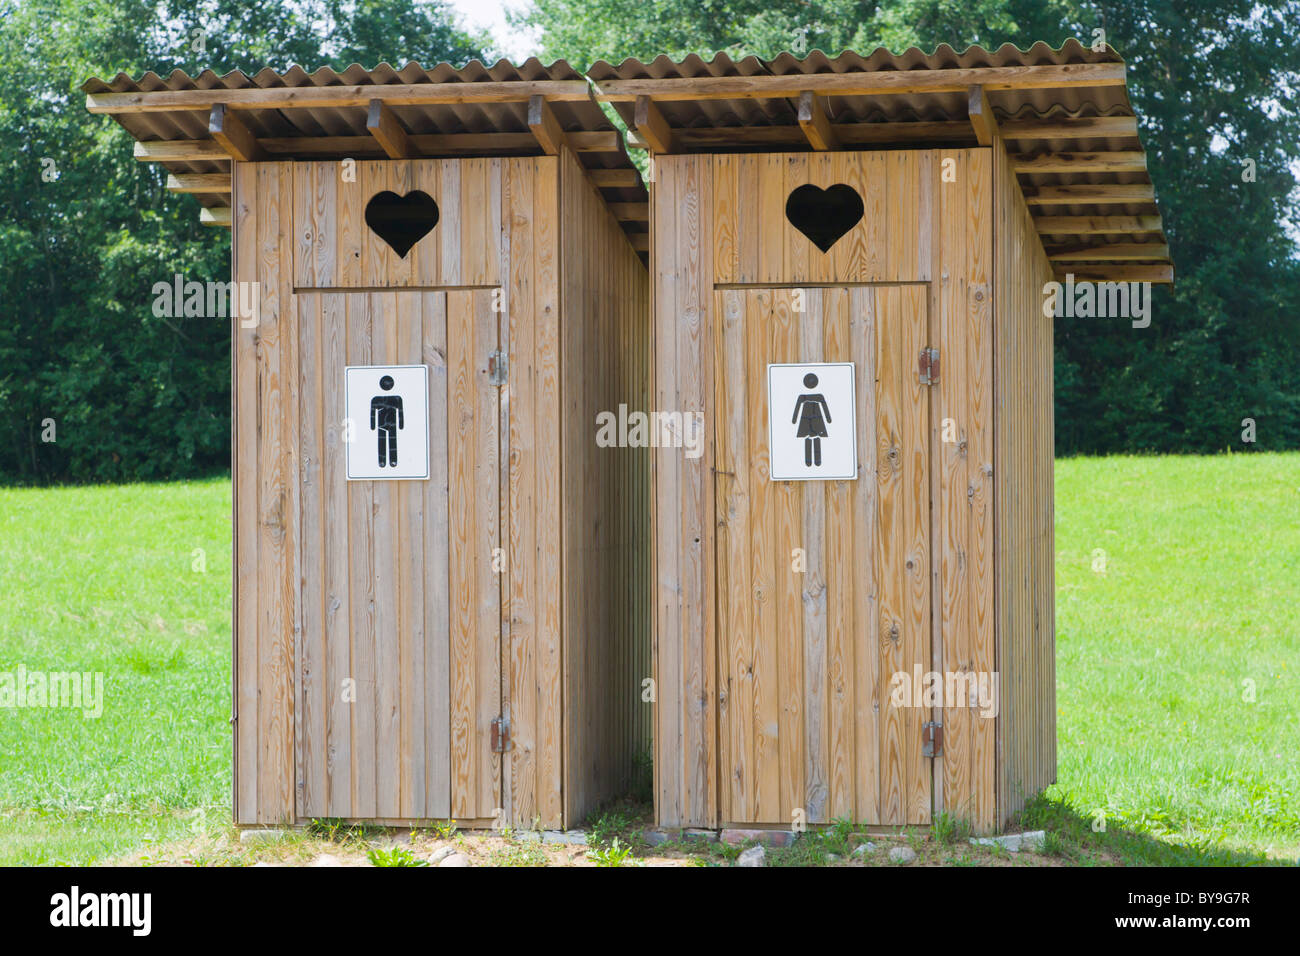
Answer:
(387, 421)
(812, 426)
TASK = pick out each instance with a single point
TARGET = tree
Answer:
(86, 231)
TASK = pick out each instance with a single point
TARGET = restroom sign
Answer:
(387, 426)
(812, 428)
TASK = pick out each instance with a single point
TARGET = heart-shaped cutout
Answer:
(824, 215)
(401, 221)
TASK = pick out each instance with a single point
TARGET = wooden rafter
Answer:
(233, 136)
(217, 216)
(630, 211)
(198, 182)
(1090, 225)
(982, 120)
(815, 122)
(1131, 273)
(651, 126)
(1084, 127)
(545, 127)
(388, 131)
(1109, 252)
(1130, 161)
(614, 178)
(1089, 194)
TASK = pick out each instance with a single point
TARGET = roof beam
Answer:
(816, 122)
(1085, 194)
(233, 136)
(546, 128)
(427, 145)
(1147, 273)
(651, 127)
(981, 116)
(180, 151)
(614, 178)
(865, 83)
(1091, 225)
(198, 182)
(1109, 252)
(384, 126)
(948, 132)
(630, 211)
(217, 216)
(309, 97)
(1083, 127)
(640, 241)
(1134, 161)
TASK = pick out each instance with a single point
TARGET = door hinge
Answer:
(500, 735)
(498, 368)
(927, 366)
(932, 739)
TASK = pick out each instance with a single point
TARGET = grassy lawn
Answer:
(1176, 665)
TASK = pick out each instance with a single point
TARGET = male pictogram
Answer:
(812, 413)
(386, 418)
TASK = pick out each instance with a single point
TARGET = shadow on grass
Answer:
(1077, 843)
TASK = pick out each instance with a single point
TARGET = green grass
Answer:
(1198, 596)
(101, 579)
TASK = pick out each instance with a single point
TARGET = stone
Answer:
(571, 837)
(456, 859)
(695, 835)
(251, 837)
(1014, 842)
(440, 854)
(773, 838)
(660, 837)
(902, 855)
(864, 848)
(754, 856)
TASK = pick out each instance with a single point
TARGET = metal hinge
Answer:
(931, 739)
(498, 368)
(927, 366)
(501, 735)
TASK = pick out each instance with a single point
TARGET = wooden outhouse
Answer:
(469, 640)
(878, 644)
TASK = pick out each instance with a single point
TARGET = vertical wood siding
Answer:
(604, 360)
(1025, 551)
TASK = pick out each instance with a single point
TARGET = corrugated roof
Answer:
(324, 129)
(749, 104)
(1065, 109)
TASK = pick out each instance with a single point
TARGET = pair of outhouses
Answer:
(452, 600)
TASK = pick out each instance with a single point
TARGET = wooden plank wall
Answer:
(604, 361)
(301, 226)
(719, 222)
(265, 465)
(1023, 460)
(961, 298)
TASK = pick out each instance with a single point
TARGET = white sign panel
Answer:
(812, 426)
(387, 421)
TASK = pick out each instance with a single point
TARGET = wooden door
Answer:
(399, 675)
(823, 586)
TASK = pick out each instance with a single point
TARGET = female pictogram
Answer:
(812, 413)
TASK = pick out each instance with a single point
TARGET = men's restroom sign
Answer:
(388, 421)
(812, 426)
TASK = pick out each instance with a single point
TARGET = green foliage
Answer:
(617, 853)
(394, 856)
(133, 396)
